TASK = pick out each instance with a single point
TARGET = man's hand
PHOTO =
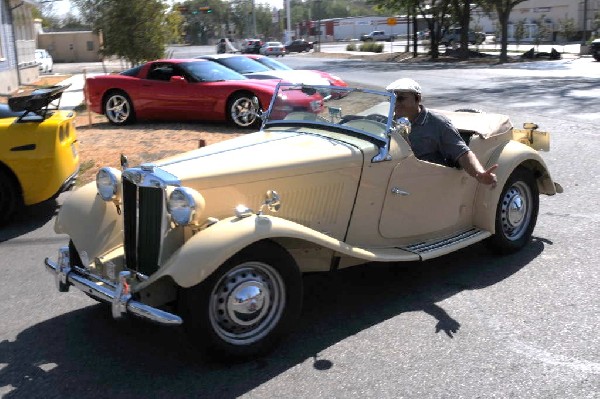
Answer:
(469, 162)
(488, 176)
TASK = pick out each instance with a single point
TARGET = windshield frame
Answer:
(382, 142)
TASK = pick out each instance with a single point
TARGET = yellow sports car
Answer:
(38, 149)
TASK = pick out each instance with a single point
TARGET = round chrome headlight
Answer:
(107, 182)
(185, 205)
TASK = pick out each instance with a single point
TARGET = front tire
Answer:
(243, 109)
(246, 306)
(516, 213)
(118, 108)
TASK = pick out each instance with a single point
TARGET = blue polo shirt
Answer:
(433, 138)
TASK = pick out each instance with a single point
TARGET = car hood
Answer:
(306, 77)
(261, 156)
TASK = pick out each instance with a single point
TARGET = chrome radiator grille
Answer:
(142, 218)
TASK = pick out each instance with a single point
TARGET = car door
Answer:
(424, 198)
(158, 95)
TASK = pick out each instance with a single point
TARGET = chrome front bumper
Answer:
(118, 295)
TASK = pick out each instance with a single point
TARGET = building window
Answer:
(90, 45)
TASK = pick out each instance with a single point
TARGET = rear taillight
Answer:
(64, 130)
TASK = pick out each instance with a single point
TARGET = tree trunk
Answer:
(464, 20)
(503, 16)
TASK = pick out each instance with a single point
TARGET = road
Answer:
(464, 326)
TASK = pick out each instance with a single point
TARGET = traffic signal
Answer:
(182, 9)
(205, 10)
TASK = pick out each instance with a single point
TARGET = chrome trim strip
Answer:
(424, 247)
(149, 175)
(118, 296)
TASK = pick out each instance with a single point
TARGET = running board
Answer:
(433, 249)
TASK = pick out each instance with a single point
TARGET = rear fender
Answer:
(511, 156)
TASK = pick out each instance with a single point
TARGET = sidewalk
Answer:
(73, 96)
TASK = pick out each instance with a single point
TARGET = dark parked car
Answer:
(298, 46)
(595, 49)
(251, 46)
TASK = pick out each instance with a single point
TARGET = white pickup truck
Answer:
(377, 36)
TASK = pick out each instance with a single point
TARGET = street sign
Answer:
(391, 21)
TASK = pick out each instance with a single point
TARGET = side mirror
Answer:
(402, 126)
(177, 79)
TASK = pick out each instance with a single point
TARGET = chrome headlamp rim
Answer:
(184, 204)
(108, 183)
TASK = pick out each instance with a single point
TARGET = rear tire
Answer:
(118, 108)
(242, 110)
(516, 213)
(11, 198)
(247, 305)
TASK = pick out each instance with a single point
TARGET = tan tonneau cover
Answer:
(484, 124)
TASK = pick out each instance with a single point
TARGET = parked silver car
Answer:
(452, 36)
(273, 48)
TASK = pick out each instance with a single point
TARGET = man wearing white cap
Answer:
(433, 138)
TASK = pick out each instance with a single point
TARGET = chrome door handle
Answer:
(397, 191)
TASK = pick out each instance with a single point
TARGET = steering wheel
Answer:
(377, 118)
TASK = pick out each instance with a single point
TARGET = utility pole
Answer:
(288, 14)
(253, 19)
(584, 39)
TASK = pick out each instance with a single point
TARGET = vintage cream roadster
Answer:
(217, 239)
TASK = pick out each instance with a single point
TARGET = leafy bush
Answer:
(372, 47)
(351, 47)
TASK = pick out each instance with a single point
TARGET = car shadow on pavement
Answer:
(28, 219)
(85, 353)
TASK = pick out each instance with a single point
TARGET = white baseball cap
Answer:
(404, 84)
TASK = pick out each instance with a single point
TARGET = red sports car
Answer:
(185, 89)
(278, 66)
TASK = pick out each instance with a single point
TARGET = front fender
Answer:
(93, 225)
(210, 248)
(511, 156)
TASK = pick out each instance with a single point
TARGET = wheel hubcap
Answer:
(243, 112)
(516, 210)
(117, 109)
(247, 303)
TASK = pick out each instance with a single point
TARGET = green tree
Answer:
(461, 12)
(541, 32)
(519, 31)
(502, 8)
(567, 28)
(434, 12)
(133, 30)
